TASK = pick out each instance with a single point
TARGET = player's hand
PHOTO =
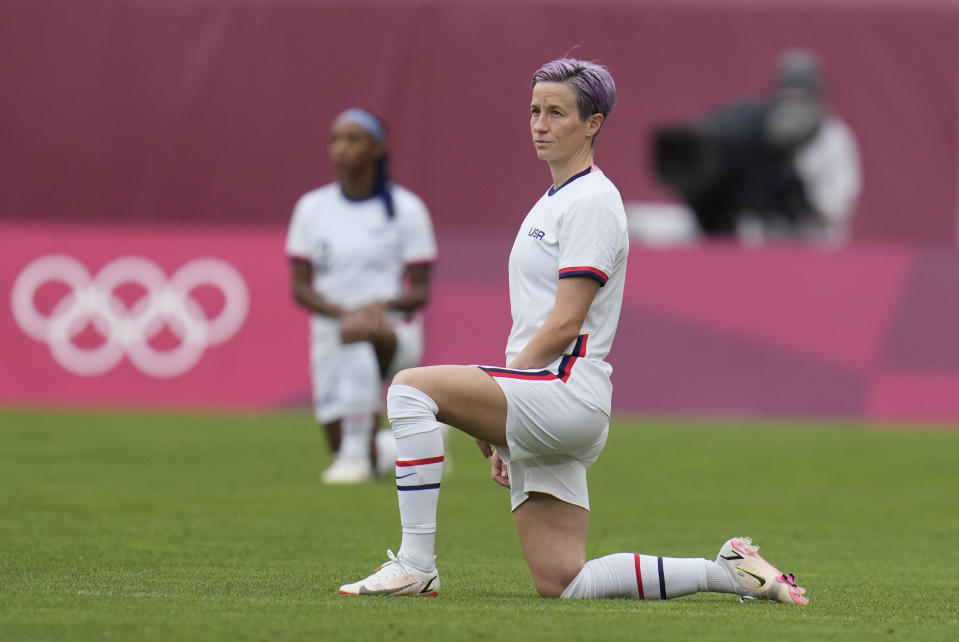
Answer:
(485, 448)
(498, 470)
(363, 323)
(375, 310)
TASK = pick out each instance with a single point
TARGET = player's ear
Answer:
(593, 124)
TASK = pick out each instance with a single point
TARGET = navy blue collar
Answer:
(553, 190)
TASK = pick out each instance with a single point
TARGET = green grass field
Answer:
(176, 527)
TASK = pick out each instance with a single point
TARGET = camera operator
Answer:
(783, 167)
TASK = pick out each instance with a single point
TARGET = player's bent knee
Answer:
(552, 582)
(549, 591)
(550, 588)
(418, 378)
(406, 377)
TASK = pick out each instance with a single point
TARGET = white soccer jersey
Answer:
(358, 254)
(577, 230)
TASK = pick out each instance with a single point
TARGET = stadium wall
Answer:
(216, 111)
(169, 140)
(110, 315)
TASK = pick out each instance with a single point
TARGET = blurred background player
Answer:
(547, 412)
(782, 167)
(360, 253)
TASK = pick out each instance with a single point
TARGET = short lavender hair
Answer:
(594, 86)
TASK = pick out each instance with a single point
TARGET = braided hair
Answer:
(382, 187)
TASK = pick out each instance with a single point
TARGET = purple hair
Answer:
(594, 86)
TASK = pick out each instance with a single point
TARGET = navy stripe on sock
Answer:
(420, 487)
(662, 578)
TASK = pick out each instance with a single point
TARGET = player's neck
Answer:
(358, 186)
(564, 170)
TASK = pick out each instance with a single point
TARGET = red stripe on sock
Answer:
(419, 462)
(639, 576)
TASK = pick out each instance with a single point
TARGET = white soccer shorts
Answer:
(346, 377)
(552, 434)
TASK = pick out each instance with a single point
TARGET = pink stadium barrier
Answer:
(201, 317)
(130, 327)
(158, 130)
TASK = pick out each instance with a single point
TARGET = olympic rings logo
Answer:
(127, 329)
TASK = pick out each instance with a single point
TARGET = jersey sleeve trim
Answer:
(298, 258)
(585, 270)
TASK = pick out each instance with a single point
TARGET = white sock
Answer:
(636, 576)
(385, 452)
(419, 470)
(358, 383)
(718, 580)
(357, 429)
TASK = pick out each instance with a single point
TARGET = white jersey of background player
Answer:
(361, 250)
(547, 412)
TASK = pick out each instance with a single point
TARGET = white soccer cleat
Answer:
(396, 578)
(755, 578)
(348, 470)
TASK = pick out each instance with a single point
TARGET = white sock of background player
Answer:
(359, 387)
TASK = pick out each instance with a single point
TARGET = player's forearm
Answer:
(301, 286)
(411, 300)
(562, 326)
(417, 292)
(548, 344)
(309, 299)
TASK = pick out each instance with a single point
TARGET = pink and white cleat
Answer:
(756, 578)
